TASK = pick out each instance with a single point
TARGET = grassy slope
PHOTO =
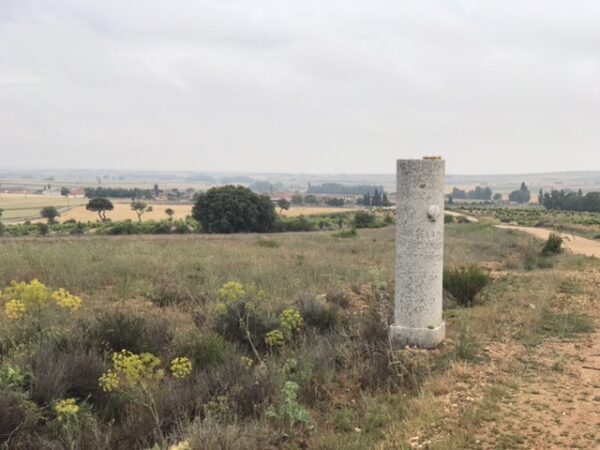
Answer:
(104, 269)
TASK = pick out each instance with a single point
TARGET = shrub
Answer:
(351, 233)
(123, 329)
(465, 283)
(63, 369)
(364, 219)
(289, 411)
(203, 348)
(318, 314)
(553, 245)
(234, 209)
(16, 417)
(242, 318)
(267, 243)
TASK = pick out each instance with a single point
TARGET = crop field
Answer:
(122, 211)
(22, 207)
(330, 381)
(585, 224)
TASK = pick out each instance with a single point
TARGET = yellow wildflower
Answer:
(66, 300)
(183, 445)
(15, 309)
(248, 362)
(274, 338)
(291, 320)
(231, 291)
(181, 367)
(31, 294)
(66, 409)
(109, 381)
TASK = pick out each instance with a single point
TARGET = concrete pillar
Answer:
(419, 253)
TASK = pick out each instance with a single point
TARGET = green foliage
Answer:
(283, 204)
(553, 245)
(465, 283)
(521, 195)
(364, 219)
(204, 348)
(289, 411)
(50, 213)
(345, 234)
(100, 205)
(124, 329)
(564, 325)
(234, 209)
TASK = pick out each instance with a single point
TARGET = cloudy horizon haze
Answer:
(300, 87)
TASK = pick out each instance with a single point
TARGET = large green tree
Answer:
(100, 205)
(234, 209)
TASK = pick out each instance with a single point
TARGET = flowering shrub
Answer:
(66, 410)
(134, 376)
(181, 367)
(274, 338)
(291, 321)
(130, 369)
(66, 300)
(22, 298)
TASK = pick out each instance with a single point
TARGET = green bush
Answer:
(351, 233)
(553, 245)
(123, 329)
(204, 349)
(465, 283)
(364, 219)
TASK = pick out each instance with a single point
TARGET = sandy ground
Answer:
(457, 214)
(575, 244)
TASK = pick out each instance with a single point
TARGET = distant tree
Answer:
(497, 196)
(50, 213)
(234, 209)
(170, 213)
(541, 197)
(297, 199)
(283, 203)
(310, 200)
(156, 190)
(1, 211)
(363, 219)
(335, 201)
(521, 195)
(65, 191)
(140, 208)
(100, 205)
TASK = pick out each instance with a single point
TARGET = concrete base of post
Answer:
(417, 337)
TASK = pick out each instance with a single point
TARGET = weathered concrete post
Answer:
(419, 253)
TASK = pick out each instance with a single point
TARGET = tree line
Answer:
(110, 192)
(570, 201)
(342, 189)
(479, 193)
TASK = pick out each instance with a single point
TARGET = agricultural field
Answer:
(122, 211)
(19, 207)
(514, 362)
(585, 224)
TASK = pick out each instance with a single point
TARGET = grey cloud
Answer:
(337, 86)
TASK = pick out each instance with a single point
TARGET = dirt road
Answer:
(575, 244)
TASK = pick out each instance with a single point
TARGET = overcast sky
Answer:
(300, 86)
